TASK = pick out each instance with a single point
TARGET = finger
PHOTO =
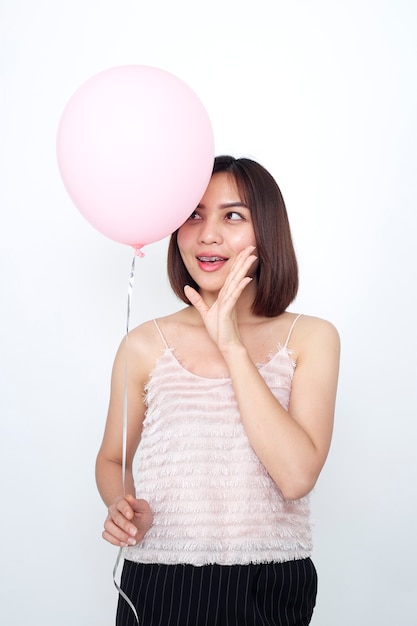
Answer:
(142, 515)
(246, 261)
(116, 541)
(115, 535)
(140, 506)
(196, 299)
(125, 506)
(238, 277)
(229, 298)
(122, 520)
(242, 264)
(243, 256)
(143, 519)
(133, 504)
(110, 539)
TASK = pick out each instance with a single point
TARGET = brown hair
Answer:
(277, 273)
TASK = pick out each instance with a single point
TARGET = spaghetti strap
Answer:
(160, 334)
(291, 329)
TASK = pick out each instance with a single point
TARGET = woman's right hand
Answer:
(220, 317)
(127, 522)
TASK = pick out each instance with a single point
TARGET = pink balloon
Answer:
(135, 150)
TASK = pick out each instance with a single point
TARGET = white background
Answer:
(324, 94)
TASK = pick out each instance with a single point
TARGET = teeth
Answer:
(210, 259)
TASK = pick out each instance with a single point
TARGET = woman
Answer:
(230, 411)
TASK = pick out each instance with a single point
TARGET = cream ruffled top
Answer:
(212, 499)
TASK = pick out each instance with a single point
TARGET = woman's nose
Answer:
(210, 232)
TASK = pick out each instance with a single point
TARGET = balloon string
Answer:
(120, 591)
(124, 436)
(129, 304)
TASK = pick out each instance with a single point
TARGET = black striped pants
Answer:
(271, 594)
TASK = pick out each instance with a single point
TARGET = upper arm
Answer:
(313, 394)
(130, 373)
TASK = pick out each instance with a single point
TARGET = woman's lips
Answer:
(211, 263)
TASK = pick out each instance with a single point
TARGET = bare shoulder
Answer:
(316, 325)
(146, 339)
(143, 337)
(314, 333)
(143, 346)
(180, 326)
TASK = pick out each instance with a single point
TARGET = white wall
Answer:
(324, 94)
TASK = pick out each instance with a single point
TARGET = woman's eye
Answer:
(234, 215)
(194, 216)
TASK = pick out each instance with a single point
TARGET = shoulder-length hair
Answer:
(277, 273)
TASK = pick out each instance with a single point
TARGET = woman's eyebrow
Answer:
(227, 205)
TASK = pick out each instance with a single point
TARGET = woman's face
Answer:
(219, 228)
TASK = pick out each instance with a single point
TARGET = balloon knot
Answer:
(138, 251)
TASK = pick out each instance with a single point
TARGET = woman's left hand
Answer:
(220, 318)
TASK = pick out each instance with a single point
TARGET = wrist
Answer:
(234, 352)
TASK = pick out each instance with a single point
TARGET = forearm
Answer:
(110, 481)
(282, 445)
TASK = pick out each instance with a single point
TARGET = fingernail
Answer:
(131, 541)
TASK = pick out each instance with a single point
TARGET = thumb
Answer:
(196, 300)
(140, 506)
